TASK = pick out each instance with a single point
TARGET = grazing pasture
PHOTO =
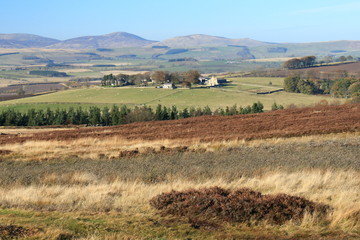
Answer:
(239, 91)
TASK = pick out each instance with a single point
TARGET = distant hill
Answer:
(202, 40)
(321, 48)
(199, 46)
(22, 40)
(112, 40)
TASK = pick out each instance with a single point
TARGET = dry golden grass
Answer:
(108, 148)
(77, 70)
(29, 131)
(6, 82)
(84, 192)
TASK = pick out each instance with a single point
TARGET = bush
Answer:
(242, 205)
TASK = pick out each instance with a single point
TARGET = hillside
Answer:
(199, 46)
(202, 40)
(20, 40)
(73, 180)
(241, 91)
(112, 40)
(348, 67)
(284, 123)
(335, 70)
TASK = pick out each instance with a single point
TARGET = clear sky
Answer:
(265, 20)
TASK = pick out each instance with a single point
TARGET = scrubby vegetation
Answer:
(97, 183)
(100, 199)
(15, 232)
(239, 205)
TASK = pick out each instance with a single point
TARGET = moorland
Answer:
(290, 172)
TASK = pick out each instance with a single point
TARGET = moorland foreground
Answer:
(96, 182)
(292, 173)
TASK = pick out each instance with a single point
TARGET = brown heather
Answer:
(239, 205)
(296, 161)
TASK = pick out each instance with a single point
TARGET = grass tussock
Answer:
(239, 205)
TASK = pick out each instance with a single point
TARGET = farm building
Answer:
(168, 86)
(222, 81)
(203, 80)
(212, 82)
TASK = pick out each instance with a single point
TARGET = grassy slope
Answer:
(240, 91)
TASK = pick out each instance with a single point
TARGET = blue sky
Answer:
(272, 21)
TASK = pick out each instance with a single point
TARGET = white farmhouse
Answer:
(168, 86)
(212, 82)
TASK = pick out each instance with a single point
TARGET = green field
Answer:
(240, 91)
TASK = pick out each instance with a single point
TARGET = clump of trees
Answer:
(310, 61)
(344, 87)
(124, 79)
(114, 116)
(330, 59)
(158, 77)
(297, 63)
(191, 76)
(297, 85)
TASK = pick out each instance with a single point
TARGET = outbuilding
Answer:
(169, 86)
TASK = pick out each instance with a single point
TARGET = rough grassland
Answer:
(96, 183)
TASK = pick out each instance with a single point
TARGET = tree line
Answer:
(116, 115)
(310, 61)
(345, 87)
(297, 63)
(159, 77)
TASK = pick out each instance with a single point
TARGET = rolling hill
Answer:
(197, 46)
(22, 40)
(112, 40)
(202, 40)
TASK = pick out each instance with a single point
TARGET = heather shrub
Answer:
(14, 232)
(242, 205)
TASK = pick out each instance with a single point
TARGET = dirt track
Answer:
(285, 123)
